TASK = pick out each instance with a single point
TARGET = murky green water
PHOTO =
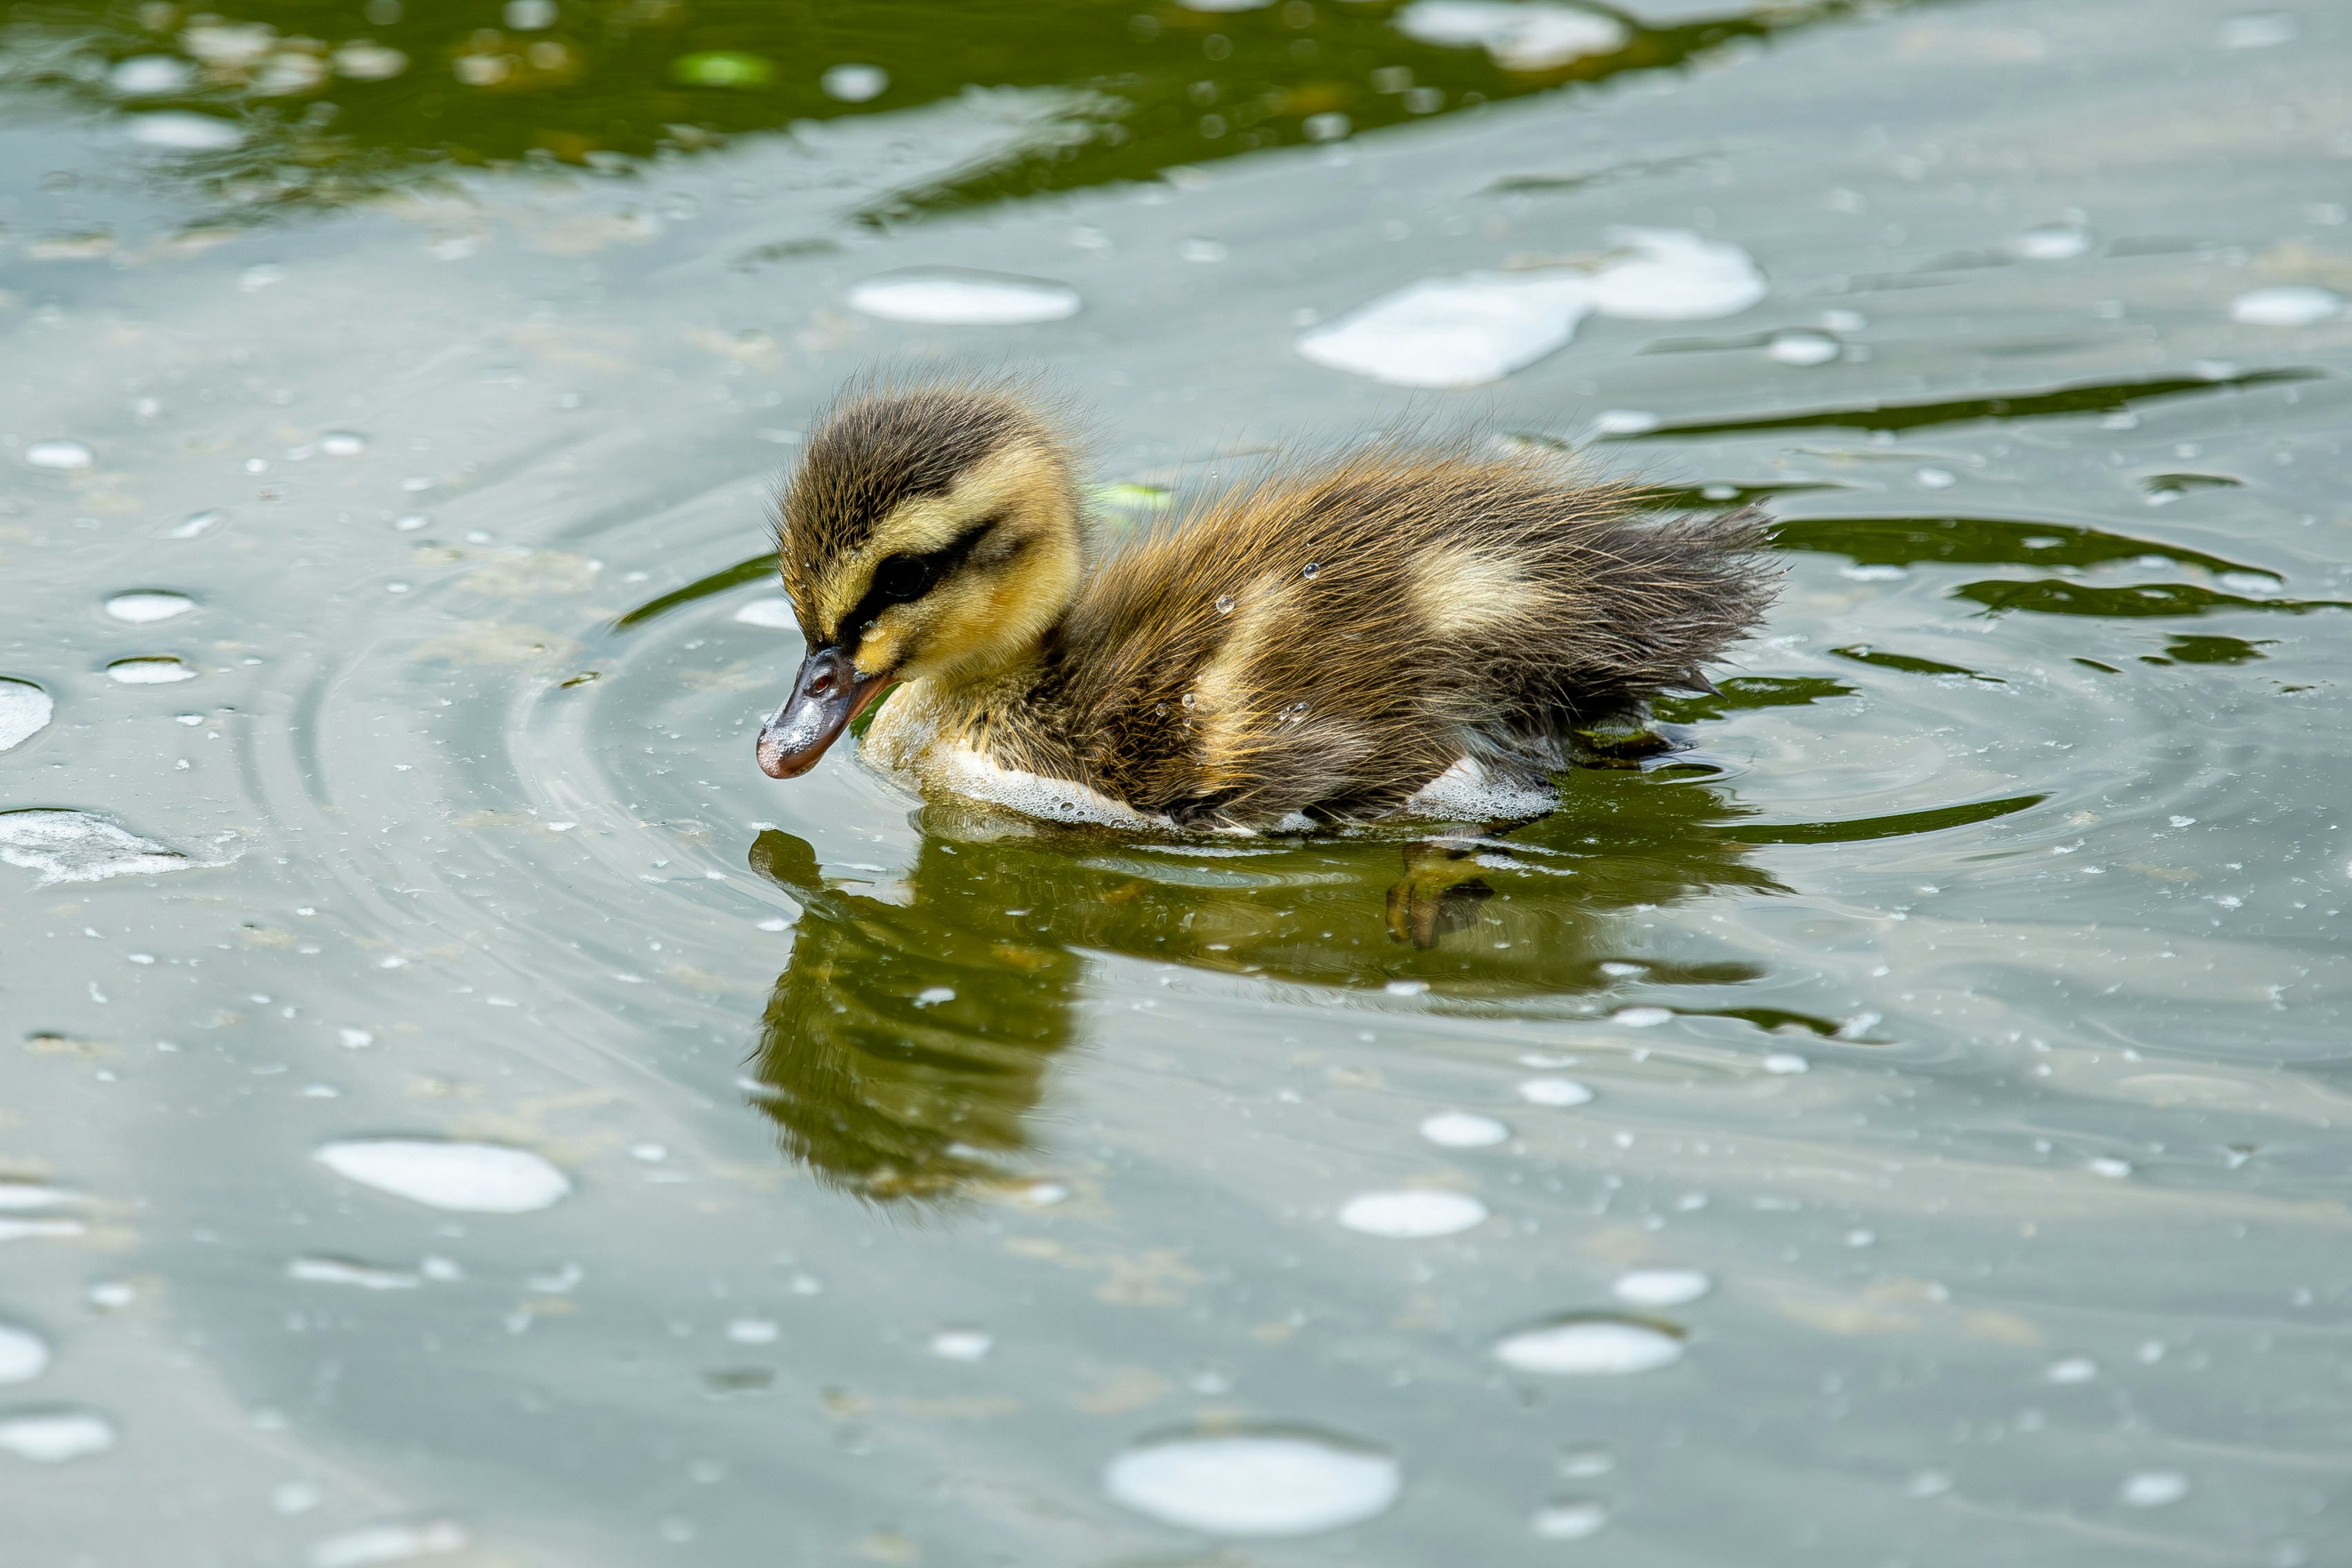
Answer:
(1898, 1128)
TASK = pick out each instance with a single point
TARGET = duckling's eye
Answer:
(902, 577)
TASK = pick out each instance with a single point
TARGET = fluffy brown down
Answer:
(1323, 641)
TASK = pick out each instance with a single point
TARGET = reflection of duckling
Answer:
(1323, 647)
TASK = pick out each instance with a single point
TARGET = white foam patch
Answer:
(1521, 35)
(175, 132)
(150, 669)
(77, 846)
(25, 711)
(963, 1344)
(1414, 1214)
(1261, 1482)
(1555, 1091)
(60, 454)
(1467, 793)
(151, 76)
(475, 1178)
(1803, 346)
(1588, 1347)
(855, 83)
(346, 1271)
(32, 1195)
(2154, 1488)
(2287, 305)
(1478, 327)
(54, 1436)
(2051, 242)
(1465, 1130)
(1662, 1287)
(146, 605)
(952, 296)
(1568, 1521)
(375, 1543)
(775, 614)
(24, 1354)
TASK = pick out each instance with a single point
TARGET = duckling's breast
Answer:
(927, 744)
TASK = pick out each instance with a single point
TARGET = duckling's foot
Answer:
(1439, 895)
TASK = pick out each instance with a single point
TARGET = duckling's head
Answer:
(929, 535)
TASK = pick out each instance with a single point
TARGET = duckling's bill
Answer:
(827, 695)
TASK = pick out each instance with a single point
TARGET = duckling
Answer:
(1394, 631)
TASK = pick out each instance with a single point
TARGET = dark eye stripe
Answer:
(934, 565)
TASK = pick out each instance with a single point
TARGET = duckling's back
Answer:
(1329, 641)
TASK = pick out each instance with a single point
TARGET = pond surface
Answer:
(458, 1109)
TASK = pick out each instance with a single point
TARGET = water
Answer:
(1964, 1008)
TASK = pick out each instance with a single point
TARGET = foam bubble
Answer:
(150, 669)
(1521, 35)
(1478, 327)
(1802, 347)
(2154, 1488)
(774, 613)
(952, 296)
(173, 131)
(342, 443)
(1662, 1287)
(59, 454)
(346, 1271)
(375, 1543)
(151, 76)
(2257, 30)
(369, 62)
(144, 606)
(1466, 331)
(854, 84)
(1572, 1520)
(24, 1354)
(54, 1436)
(1589, 1346)
(2051, 242)
(1411, 1214)
(1263, 1481)
(78, 846)
(1555, 1091)
(1465, 1130)
(25, 711)
(477, 1178)
(963, 1344)
(2287, 305)
(31, 1195)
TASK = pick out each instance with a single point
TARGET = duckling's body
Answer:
(1324, 646)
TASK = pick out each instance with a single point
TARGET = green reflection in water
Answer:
(911, 1034)
(334, 101)
(2097, 397)
(2054, 597)
(1981, 541)
(906, 1046)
